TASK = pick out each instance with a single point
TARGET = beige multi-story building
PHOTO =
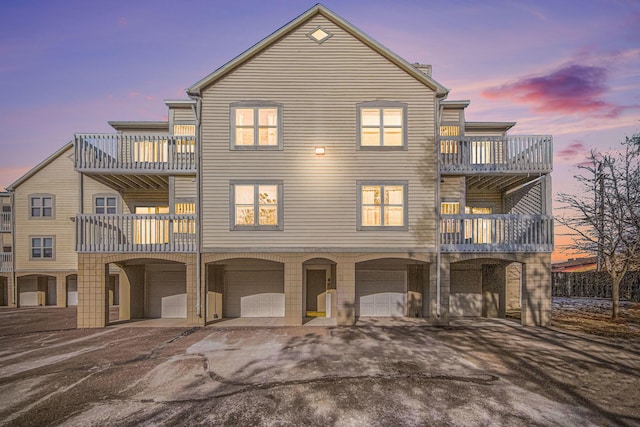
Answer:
(316, 174)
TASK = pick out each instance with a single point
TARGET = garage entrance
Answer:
(152, 289)
(72, 290)
(389, 287)
(248, 288)
(36, 290)
(485, 288)
(4, 290)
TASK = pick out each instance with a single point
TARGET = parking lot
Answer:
(474, 372)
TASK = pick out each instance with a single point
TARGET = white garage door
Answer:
(28, 288)
(167, 295)
(380, 293)
(72, 292)
(255, 293)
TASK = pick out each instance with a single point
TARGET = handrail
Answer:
(496, 233)
(514, 153)
(5, 221)
(135, 233)
(6, 262)
(147, 153)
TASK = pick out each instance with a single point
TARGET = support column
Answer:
(346, 291)
(92, 292)
(293, 292)
(192, 291)
(124, 296)
(445, 287)
(536, 290)
(61, 289)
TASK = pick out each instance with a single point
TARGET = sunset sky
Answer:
(566, 68)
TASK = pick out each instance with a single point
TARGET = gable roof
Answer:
(318, 9)
(40, 166)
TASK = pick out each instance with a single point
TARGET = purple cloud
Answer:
(575, 150)
(571, 89)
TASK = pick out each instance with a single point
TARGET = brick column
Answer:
(346, 291)
(293, 292)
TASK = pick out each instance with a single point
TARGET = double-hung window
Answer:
(42, 247)
(256, 205)
(105, 205)
(382, 125)
(382, 206)
(41, 206)
(256, 126)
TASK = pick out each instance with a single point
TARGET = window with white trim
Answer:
(382, 206)
(256, 126)
(105, 205)
(42, 247)
(256, 206)
(382, 124)
(41, 206)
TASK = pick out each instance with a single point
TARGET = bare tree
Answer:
(604, 215)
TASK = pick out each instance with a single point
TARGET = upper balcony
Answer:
(496, 233)
(135, 155)
(135, 233)
(522, 154)
(6, 262)
(5, 222)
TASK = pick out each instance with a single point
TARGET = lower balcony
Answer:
(135, 233)
(496, 233)
(6, 262)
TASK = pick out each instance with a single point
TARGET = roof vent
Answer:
(425, 68)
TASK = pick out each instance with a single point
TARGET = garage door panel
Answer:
(254, 293)
(380, 293)
(166, 294)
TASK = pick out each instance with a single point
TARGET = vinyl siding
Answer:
(526, 201)
(450, 116)
(185, 187)
(319, 87)
(92, 188)
(182, 115)
(133, 198)
(452, 189)
(60, 179)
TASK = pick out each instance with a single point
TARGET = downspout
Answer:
(13, 248)
(197, 110)
(438, 213)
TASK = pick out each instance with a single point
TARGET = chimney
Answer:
(425, 68)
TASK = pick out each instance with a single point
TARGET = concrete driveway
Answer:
(381, 373)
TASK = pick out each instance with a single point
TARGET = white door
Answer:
(166, 294)
(381, 293)
(72, 292)
(254, 293)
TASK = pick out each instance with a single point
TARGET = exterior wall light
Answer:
(320, 151)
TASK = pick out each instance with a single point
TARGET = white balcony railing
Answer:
(135, 233)
(5, 221)
(496, 233)
(6, 262)
(489, 154)
(118, 153)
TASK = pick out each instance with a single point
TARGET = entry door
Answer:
(316, 285)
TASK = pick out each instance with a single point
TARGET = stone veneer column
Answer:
(445, 286)
(92, 291)
(536, 290)
(346, 291)
(293, 291)
(124, 296)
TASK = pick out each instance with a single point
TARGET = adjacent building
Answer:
(316, 174)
